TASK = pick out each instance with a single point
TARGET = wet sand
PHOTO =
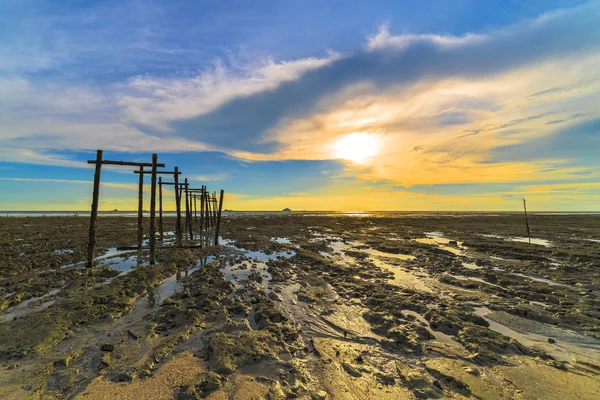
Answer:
(367, 306)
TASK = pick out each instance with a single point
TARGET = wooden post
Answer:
(140, 230)
(527, 222)
(195, 209)
(206, 218)
(188, 211)
(219, 218)
(160, 209)
(178, 231)
(153, 211)
(202, 216)
(94, 213)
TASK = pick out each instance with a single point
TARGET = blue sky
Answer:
(458, 105)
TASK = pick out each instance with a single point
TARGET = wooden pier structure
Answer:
(203, 229)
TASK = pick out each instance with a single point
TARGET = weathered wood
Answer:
(159, 172)
(140, 227)
(188, 210)
(153, 210)
(195, 209)
(527, 222)
(178, 208)
(94, 212)
(160, 209)
(219, 217)
(202, 216)
(128, 163)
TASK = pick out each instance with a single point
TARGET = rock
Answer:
(319, 395)
(551, 341)
(121, 377)
(107, 347)
(275, 297)
(351, 370)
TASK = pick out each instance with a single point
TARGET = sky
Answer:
(459, 105)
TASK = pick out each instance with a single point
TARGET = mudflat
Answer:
(309, 306)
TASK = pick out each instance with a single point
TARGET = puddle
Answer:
(24, 308)
(240, 273)
(436, 238)
(378, 253)
(541, 242)
(544, 280)
(123, 264)
(281, 240)
(471, 266)
(472, 278)
(174, 283)
(593, 240)
(568, 347)
(439, 336)
(404, 278)
(65, 251)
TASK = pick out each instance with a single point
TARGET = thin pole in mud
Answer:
(195, 209)
(178, 208)
(206, 221)
(140, 227)
(160, 209)
(202, 215)
(188, 210)
(153, 210)
(527, 221)
(94, 213)
(219, 217)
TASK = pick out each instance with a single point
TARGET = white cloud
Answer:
(156, 101)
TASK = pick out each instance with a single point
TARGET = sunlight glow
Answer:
(356, 147)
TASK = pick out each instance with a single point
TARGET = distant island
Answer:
(286, 210)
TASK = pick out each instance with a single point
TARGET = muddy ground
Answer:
(375, 306)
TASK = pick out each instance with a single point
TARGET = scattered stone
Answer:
(107, 347)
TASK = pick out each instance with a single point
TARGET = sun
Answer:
(356, 147)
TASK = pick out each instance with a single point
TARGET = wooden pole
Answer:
(206, 218)
(527, 221)
(219, 218)
(178, 208)
(153, 211)
(160, 209)
(195, 209)
(94, 213)
(188, 211)
(140, 228)
(202, 216)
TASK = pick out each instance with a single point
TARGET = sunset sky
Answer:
(312, 105)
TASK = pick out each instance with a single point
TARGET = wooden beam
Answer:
(219, 217)
(94, 213)
(128, 163)
(153, 210)
(159, 172)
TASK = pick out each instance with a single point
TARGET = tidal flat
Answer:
(307, 306)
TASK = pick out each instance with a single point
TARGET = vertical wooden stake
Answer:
(153, 211)
(160, 209)
(178, 208)
(527, 222)
(206, 215)
(195, 209)
(188, 211)
(202, 217)
(94, 213)
(140, 228)
(219, 218)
